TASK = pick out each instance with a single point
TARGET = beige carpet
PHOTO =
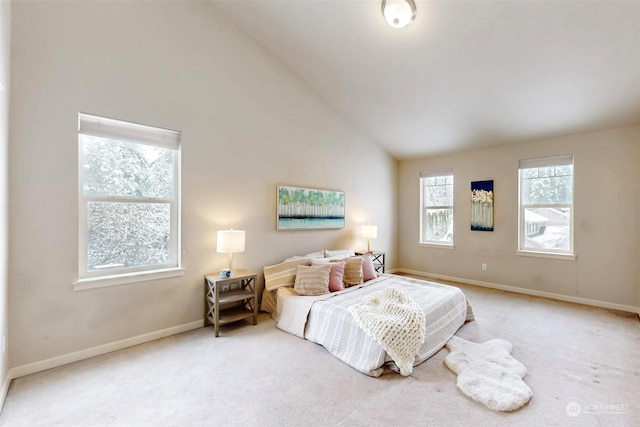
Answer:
(583, 363)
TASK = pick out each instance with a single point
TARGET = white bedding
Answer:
(325, 320)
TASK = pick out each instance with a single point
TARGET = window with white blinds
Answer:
(436, 206)
(546, 209)
(129, 204)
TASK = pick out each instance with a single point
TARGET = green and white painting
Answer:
(309, 208)
(482, 205)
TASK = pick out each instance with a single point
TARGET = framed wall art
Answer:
(301, 208)
(482, 205)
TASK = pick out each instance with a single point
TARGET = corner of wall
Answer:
(5, 41)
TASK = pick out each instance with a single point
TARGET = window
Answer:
(546, 205)
(129, 205)
(436, 218)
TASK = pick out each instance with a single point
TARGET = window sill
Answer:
(551, 255)
(437, 245)
(123, 279)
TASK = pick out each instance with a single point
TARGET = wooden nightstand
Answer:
(230, 299)
(378, 260)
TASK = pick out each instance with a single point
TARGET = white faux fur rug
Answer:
(488, 373)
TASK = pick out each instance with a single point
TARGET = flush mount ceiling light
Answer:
(399, 13)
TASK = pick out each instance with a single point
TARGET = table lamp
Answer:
(369, 232)
(230, 241)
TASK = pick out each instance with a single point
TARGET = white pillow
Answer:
(294, 258)
(319, 254)
(339, 254)
(312, 279)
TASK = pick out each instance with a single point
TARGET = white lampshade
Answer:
(369, 231)
(230, 241)
(399, 13)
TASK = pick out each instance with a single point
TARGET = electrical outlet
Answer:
(484, 266)
(225, 288)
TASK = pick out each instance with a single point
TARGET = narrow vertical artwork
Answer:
(482, 205)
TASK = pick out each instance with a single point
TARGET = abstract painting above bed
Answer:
(326, 320)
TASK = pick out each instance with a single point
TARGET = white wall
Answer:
(5, 43)
(607, 229)
(247, 125)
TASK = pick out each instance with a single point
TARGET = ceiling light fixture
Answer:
(399, 13)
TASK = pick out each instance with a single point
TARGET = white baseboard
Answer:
(65, 359)
(532, 292)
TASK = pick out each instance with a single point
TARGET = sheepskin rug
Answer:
(488, 373)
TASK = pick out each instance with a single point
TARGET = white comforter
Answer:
(325, 320)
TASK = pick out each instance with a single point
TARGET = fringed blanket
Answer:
(394, 321)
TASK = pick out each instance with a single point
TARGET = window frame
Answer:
(124, 131)
(541, 162)
(423, 209)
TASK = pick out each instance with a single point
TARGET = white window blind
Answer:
(434, 173)
(104, 127)
(544, 162)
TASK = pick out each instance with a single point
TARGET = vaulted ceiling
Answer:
(465, 74)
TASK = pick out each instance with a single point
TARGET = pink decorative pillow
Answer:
(336, 275)
(368, 269)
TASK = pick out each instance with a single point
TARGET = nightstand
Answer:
(230, 299)
(378, 260)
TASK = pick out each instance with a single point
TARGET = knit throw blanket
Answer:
(396, 322)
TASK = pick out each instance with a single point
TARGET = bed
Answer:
(326, 319)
